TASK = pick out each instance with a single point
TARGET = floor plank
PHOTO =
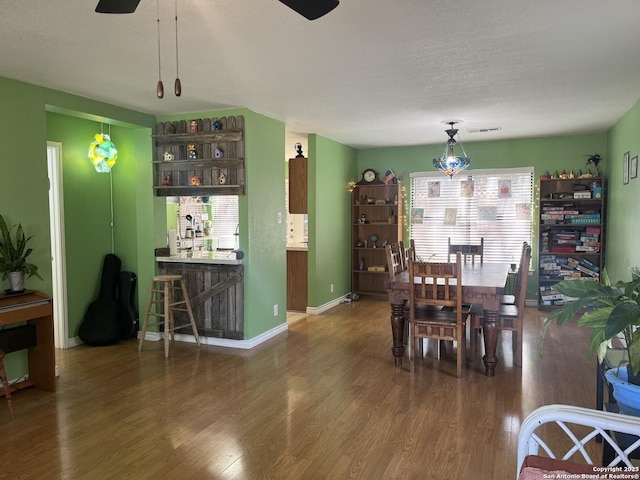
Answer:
(321, 401)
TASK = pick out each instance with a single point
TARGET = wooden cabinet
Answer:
(571, 241)
(297, 282)
(298, 175)
(199, 157)
(376, 221)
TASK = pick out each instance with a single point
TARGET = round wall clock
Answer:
(369, 175)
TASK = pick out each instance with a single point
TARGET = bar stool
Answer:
(164, 285)
(5, 383)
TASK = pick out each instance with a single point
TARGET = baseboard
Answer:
(222, 342)
(325, 307)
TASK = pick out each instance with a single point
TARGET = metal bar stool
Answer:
(164, 285)
(5, 383)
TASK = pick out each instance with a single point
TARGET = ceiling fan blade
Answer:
(117, 6)
(311, 9)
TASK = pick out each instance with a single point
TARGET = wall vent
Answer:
(484, 130)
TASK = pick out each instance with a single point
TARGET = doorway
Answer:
(58, 259)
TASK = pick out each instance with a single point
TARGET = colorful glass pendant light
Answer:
(102, 153)
(449, 163)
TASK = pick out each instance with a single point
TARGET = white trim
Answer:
(58, 258)
(222, 342)
(325, 307)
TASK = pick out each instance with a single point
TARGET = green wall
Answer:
(568, 152)
(622, 226)
(331, 167)
(262, 238)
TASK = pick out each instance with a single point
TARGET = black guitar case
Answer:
(127, 314)
(100, 325)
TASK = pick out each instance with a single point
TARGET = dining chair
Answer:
(403, 251)
(510, 318)
(393, 260)
(510, 299)
(467, 249)
(437, 285)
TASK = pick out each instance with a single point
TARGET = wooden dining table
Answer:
(482, 283)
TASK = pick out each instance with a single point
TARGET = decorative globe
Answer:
(374, 238)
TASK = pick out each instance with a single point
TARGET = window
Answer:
(490, 204)
(226, 219)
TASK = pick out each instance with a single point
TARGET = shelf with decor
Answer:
(376, 221)
(571, 234)
(199, 157)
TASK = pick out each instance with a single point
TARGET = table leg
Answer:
(490, 333)
(397, 330)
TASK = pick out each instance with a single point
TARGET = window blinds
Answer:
(491, 204)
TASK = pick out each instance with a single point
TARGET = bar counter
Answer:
(216, 289)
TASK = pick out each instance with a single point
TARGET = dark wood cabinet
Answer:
(376, 221)
(297, 282)
(199, 157)
(298, 185)
(571, 234)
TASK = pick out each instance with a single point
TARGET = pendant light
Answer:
(449, 163)
(159, 86)
(177, 87)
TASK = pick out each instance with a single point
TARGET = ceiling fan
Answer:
(310, 9)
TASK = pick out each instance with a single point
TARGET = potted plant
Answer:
(609, 310)
(13, 256)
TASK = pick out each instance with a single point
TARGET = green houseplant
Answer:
(605, 308)
(609, 310)
(13, 256)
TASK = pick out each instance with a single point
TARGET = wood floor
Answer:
(322, 401)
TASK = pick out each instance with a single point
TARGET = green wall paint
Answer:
(622, 226)
(331, 167)
(549, 153)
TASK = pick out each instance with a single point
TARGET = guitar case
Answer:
(100, 325)
(127, 314)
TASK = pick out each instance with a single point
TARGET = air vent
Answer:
(484, 130)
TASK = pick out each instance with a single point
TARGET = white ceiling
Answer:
(370, 73)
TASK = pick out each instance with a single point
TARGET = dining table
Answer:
(482, 283)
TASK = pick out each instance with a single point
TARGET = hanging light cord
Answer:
(178, 85)
(159, 86)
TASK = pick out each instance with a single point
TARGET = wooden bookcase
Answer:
(571, 234)
(218, 147)
(376, 212)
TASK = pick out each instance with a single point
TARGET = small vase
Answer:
(16, 281)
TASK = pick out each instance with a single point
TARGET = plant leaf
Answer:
(623, 315)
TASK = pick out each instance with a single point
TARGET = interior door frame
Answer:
(58, 257)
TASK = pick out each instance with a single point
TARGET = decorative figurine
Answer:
(166, 181)
(563, 175)
(191, 152)
(222, 178)
(363, 218)
(168, 156)
(195, 181)
(193, 126)
(594, 160)
(218, 153)
(217, 125)
(571, 174)
(299, 153)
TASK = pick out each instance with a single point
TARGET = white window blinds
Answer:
(490, 204)
(225, 219)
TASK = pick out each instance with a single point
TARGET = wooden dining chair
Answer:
(393, 260)
(5, 384)
(437, 285)
(510, 299)
(403, 251)
(510, 318)
(467, 250)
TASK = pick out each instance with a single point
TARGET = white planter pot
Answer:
(16, 281)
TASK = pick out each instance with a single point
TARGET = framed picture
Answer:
(625, 168)
(633, 168)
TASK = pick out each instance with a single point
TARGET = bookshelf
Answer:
(571, 234)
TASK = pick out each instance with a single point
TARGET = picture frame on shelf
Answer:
(633, 168)
(625, 168)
